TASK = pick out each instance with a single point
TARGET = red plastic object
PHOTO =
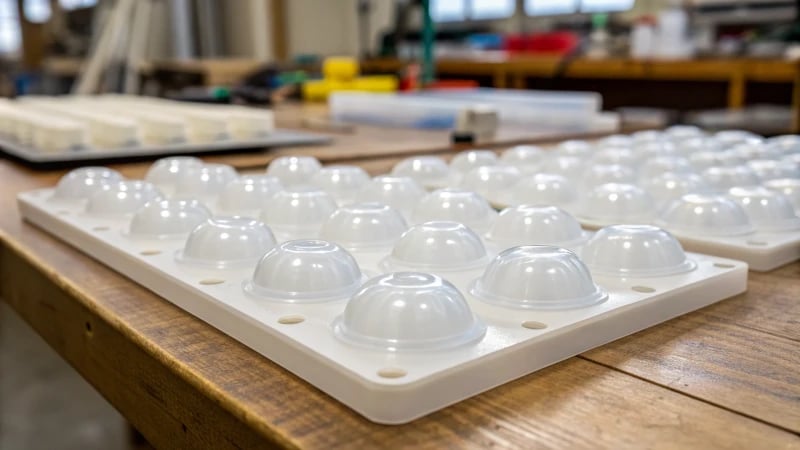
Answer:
(555, 42)
(515, 43)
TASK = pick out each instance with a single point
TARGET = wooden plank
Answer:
(606, 68)
(796, 99)
(145, 388)
(693, 70)
(791, 271)
(737, 89)
(710, 358)
(183, 384)
(770, 305)
(771, 71)
(500, 78)
(468, 67)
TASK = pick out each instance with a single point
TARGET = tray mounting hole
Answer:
(392, 372)
(150, 252)
(756, 243)
(101, 228)
(724, 266)
(643, 289)
(291, 319)
(211, 281)
(534, 325)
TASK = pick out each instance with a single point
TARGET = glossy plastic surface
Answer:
(404, 311)
(304, 271)
(456, 205)
(437, 246)
(298, 210)
(540, 225)
(635, 251)
(122, 197)
(247, 194)
(294, 170)
(342, 182)
(768, 210)
(81, 183)
(364, 226)
(205, 182)
(165, 219)
(401, 193)
(706, 214)
(226, 241)
(538, 277)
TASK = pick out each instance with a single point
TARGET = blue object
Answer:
(24, 83)
(486, 41)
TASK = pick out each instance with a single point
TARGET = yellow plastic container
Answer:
(316, 91)
(340, 68)
(340, 74)
(376, 83)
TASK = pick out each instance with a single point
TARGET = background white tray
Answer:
(36, 157)
(760, 250)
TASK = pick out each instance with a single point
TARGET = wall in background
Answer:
(247, 29)
(326, 27)
(321, 27)
(158, 39)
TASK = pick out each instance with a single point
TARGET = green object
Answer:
(428, 34)
(220, 92)
(293, 77)
(599, 21)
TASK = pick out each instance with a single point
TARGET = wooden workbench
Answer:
(514, 71)
(727, 376)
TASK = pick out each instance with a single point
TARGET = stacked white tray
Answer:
(394, 321)
(733, 194)
(81, 128)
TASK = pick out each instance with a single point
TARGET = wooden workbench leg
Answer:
(136, 441)
(737, 90)
(519, 81)
(796, 100)
(499, 80)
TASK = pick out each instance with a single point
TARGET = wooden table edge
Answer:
(172, 365)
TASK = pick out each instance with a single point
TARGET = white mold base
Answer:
(390, 387)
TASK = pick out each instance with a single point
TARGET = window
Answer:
(36, 11)
(550, 7)
(492, 9)
(9, 27)
(74, 4)
(592, 6)
(448, 10)
(460, 10)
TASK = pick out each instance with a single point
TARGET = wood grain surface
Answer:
(722, 377)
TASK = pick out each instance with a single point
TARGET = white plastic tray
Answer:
(385, 386)
(277, 138)
(760, 250)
